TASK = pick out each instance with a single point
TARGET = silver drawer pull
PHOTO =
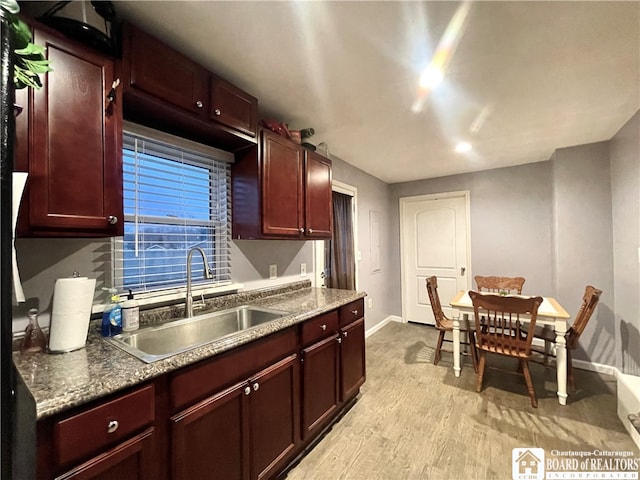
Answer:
(323, 327)
(256, 386)
(355, 312)
(113, 426)
(199, 104)
(345, 334)
(217, 112)
(247, 390)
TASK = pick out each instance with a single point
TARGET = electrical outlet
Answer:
(273, 271)
(369, 302)
(303, 269)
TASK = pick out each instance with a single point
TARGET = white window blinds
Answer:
(175, 199)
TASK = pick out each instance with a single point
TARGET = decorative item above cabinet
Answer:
(281, 190)
(165, 90)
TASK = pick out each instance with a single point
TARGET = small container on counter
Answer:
(130, 314)
(34, 339)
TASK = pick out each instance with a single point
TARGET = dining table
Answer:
(550, 313)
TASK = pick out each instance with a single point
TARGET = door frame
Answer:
(318, 245)
(431, 197)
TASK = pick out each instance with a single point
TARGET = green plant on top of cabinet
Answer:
(281, 190)
(166, 90)
(69, 141)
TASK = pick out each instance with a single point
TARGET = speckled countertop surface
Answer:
(61, 381)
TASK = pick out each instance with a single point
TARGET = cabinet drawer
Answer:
(351, 312)
(210, 376)
(319, 327)
(92, 430)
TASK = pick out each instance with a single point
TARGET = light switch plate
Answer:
(273, 271)
(303, 269)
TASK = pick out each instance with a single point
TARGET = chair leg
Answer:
(474, 351)
(570, 378)
(527, 379)
(480, 375)
(436, 358)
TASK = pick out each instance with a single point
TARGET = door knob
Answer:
(462, 270)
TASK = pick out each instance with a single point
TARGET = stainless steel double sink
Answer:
(155, 343)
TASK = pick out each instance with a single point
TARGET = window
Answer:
(175, 198)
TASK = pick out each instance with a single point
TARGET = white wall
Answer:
(625, 186)
(583, 242)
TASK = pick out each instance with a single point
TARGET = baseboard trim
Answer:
(595, 367)
(378, 326)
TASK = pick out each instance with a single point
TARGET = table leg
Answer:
(456, 345)
(561, 360)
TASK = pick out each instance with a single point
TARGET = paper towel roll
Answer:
(71, 312)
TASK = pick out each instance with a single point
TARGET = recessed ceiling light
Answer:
(463, 147)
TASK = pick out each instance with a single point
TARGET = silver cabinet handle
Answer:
(112, 426)
(311, 230)
(323, 327)
(217, 112)
(256, 386)
(112, 219)
(339, 340)
(301, 230)
(199, 104)
(345, 334)
(355, 312)
(247, 390)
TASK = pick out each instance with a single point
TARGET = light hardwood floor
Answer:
(415, 420)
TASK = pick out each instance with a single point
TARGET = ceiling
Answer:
(521, 80)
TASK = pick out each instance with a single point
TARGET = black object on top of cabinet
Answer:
(165, 90)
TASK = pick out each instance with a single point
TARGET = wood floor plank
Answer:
(414, 420)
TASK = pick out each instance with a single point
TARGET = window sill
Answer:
(176, 295)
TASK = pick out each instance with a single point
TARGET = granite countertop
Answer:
(60, 381)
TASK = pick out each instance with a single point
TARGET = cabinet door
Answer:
(233, 107)
(209, 440)
(282, 187)
(75, 164)
(319, 384)
(162, 72)
(275, 414)
(131, 460)
(318, 198)
(352, 359)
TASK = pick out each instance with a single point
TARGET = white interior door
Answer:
(435, 241)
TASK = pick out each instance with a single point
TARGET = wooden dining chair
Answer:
(589, 303)
(500, 332)
(499, 284)
(444, 325)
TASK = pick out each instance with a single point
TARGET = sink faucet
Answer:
(188, 304)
